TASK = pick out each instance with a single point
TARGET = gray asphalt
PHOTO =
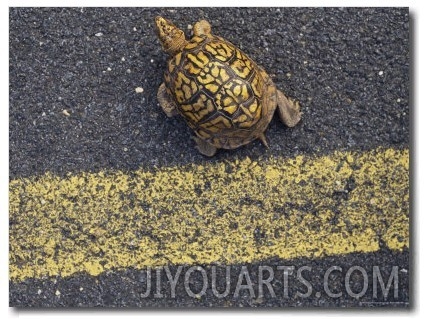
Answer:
(125, 288)
(328, 59)
(349, 68)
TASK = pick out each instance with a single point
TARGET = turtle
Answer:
(224, 96)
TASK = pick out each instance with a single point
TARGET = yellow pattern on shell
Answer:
(219, 91)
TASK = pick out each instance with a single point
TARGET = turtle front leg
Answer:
(204, 147)
(202, 28)
(288, 110)
(167, 104)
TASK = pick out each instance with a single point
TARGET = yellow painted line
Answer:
(227, 212)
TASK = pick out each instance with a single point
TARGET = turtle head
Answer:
(171, 38)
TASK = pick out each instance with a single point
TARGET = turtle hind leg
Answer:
(204, 147)
(167, 104)
(288, 110)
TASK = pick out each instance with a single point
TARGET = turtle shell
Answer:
(224, 96)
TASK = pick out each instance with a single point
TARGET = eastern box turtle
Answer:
(224, 96)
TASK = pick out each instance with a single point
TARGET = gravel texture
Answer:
(125, 288)
(74, 75)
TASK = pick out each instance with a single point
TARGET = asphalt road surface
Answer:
(83, 106)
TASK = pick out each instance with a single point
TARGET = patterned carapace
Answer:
(217, 87)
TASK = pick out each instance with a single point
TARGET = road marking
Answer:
(225, 212)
